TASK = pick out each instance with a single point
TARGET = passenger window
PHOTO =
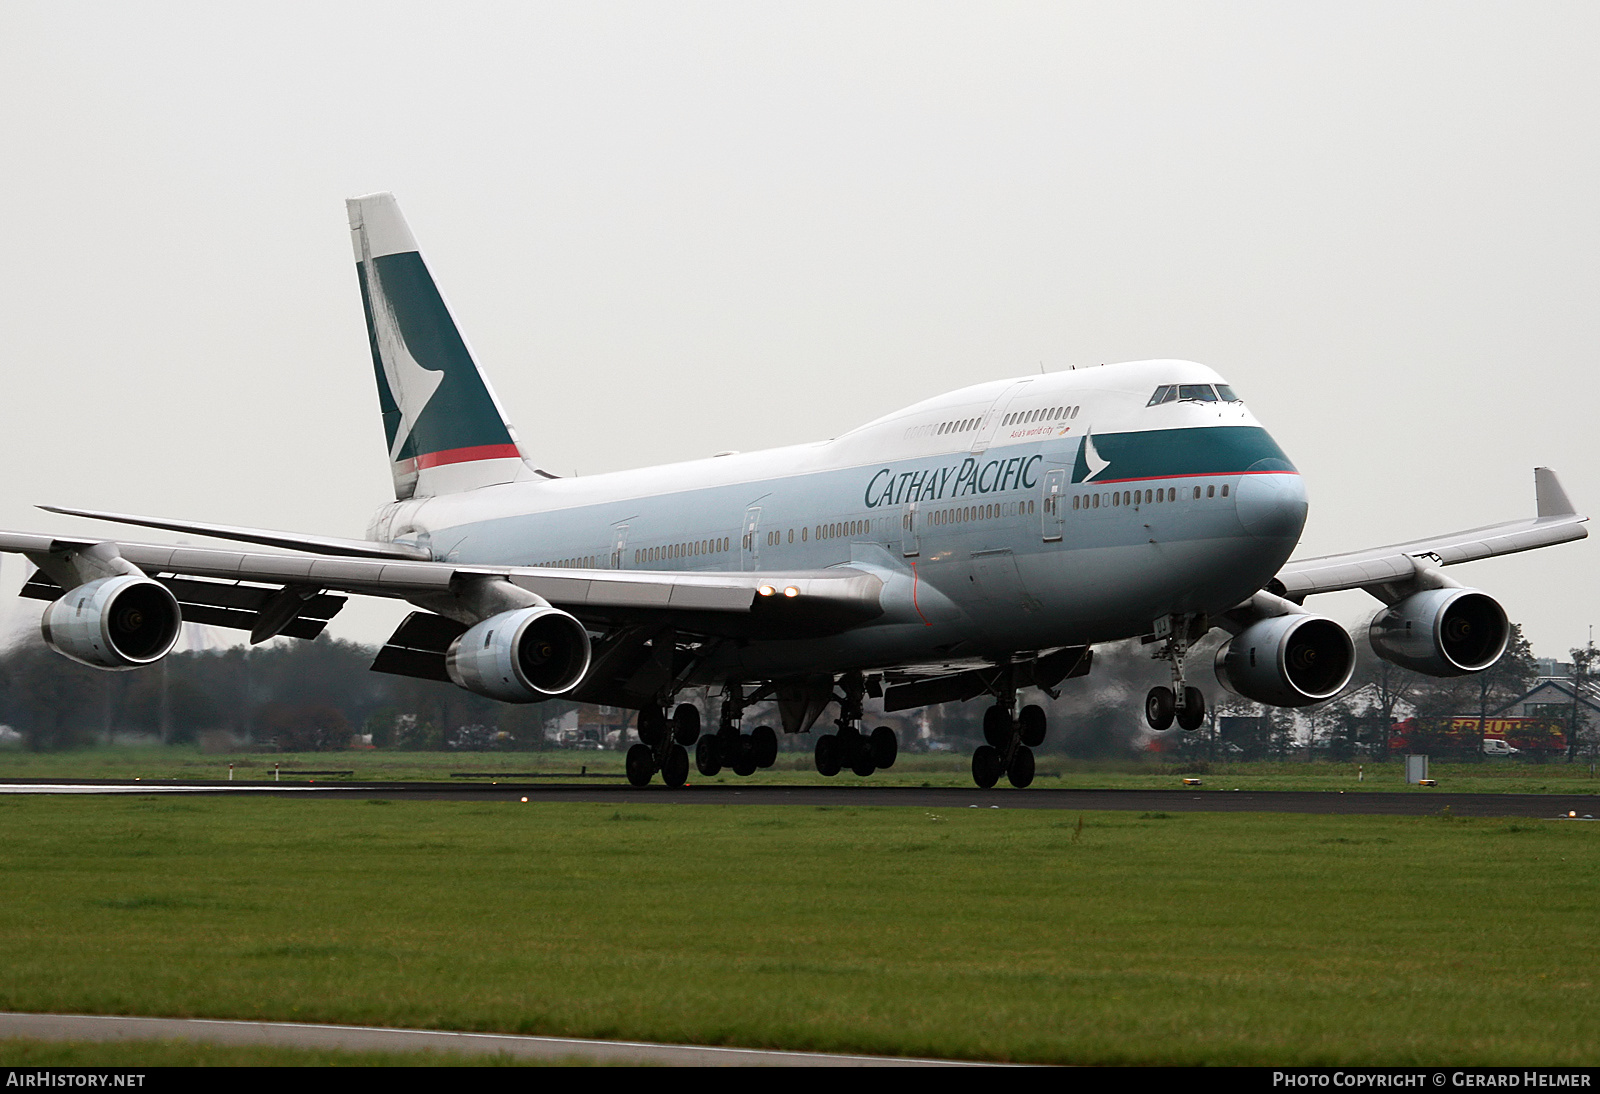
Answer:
(1211, 491)
(1224, 490)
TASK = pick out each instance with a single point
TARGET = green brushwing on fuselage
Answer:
(1171, 453)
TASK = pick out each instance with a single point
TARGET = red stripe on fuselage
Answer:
(467, 455)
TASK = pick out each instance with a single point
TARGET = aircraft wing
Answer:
(1555, 521)
(730, 604)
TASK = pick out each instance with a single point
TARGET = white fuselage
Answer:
(1013, 515)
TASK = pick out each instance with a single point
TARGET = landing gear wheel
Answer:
(708, 755)
(1031, 722)
(986, 766)
(1193, 714)
(827, 755)
(884, 746)
(763, 746)
(640, 765)
(1020, 773)
(675, 768)
(1158, 708)
(652, 725)
(744, 762)
(997, 726)
(686, 724)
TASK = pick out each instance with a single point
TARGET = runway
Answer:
(1186, 800)
(85, 1027)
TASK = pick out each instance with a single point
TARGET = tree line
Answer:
(304, 696)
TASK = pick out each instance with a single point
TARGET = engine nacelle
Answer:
(1442, 632)
(1288, 661)
(119, 622)
(525, 655)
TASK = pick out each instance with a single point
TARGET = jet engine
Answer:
(1287, 660)
(1442, 632)
(525, 655)
(119, 622)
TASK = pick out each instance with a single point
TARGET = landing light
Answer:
(766, 590)
(791, 591)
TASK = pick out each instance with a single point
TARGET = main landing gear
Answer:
(1010, 744)
(661, 745)
(1009, 738)
(850, 748)
(1186, 704)
(728, 747)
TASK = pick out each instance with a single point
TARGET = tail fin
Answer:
(445, 429)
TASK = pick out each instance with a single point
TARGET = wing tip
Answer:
(1549, 498)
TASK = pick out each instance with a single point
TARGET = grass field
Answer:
(979, 933)
(188, 762)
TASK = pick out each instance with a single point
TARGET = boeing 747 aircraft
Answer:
(973, 545)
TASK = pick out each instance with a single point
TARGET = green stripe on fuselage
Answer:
(1171, 453)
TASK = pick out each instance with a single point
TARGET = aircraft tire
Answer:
(686, 724)
(652, 725)
(675, 768)
(827, 755)
(764, 746)
(708, 755)
(1193, 714)
(1020, 773)
(640, 765)
(744, 761)
(997, 726)
(1158, 709)
(1032, 722)
(986, 766)
(884, 746)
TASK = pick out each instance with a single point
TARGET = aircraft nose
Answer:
(1272, 504)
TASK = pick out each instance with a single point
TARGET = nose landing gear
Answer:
(1185, 703)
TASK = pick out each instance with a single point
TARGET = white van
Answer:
(1493, 746)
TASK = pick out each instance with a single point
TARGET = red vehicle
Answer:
(1462, 733)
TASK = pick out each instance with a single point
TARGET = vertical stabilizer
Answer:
(445, 429)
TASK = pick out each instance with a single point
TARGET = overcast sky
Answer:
(671, 229)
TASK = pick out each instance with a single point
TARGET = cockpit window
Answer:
(1199, 392)
(1166, 393)
(1227, 394)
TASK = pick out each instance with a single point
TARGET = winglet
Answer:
(1552, 500)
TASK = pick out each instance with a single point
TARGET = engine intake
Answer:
(1442, 632)
(1288, 661)
(119, 622)
(525, 655)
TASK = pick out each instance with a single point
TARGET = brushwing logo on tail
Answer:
(438, 410)
(410, 385)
